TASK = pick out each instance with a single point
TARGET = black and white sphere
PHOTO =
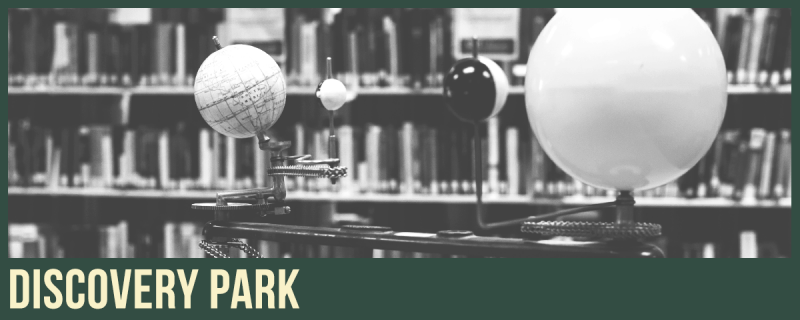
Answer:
(475, 89)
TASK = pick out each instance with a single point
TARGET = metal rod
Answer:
(478, 167)
(329, 69)
(331, 115)
(475, 47)
(333, 144)
(216, 43)
(429, 243)
(551, 215)
(481, 213)
(625, 214)
(248, 193)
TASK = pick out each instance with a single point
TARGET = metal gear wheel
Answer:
(592, 229)
(308, 171)
(230, 207)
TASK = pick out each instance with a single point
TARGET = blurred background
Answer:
(107, 151)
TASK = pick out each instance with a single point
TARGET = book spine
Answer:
(744, 48)
(180, 55)
(164, 160)
(347, 155)
(230, 163)
(300, 149)
(107, 151)
(433, 160)
(259, 165)
(768, 157)
(206, 158)
(494, 155)
(170, 239)
(756, 43)
(123, 246)
(756, 150)
(748, 245)
(512, 161)
(407, 156)
(373, 157)
(783, 176)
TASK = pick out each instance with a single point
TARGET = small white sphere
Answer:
(333, 94)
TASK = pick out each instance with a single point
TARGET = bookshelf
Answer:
(309, 91)
(669, 202)
(404, 74)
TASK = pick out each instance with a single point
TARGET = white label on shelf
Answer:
(497, 30)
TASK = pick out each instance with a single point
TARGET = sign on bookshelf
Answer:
(497, 30)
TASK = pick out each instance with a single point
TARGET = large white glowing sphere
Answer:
(626, 99)
(240, 91)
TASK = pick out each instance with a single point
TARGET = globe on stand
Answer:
(626, 99)
(240, 91)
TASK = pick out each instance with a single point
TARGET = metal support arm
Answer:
(442, 243)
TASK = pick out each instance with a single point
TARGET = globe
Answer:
(240, 91)
(626, 99)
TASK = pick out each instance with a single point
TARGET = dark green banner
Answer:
(448, 288)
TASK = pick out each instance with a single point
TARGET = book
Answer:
(783, 166)
(230, 163)
(373, 158)
(493, 155)
(170, 240)
(760, 16)
(164, 176)
(755, 157)
(513, 161)
(748, 244)
(407, 168)
(765, 183)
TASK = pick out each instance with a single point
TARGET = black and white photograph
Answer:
(399, 133)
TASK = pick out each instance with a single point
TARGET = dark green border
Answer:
(457, 288)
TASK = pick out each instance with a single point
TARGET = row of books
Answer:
(743, 164)
(178, 240)
(370, 47)
(31, 240)
(756, 43)
(749, 247)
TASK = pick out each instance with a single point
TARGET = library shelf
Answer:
(308, 91)
(399, 198)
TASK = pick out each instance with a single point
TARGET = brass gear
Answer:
(592, 229)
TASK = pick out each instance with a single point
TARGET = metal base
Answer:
(592, 229)
(450, 243)
(231, 206)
